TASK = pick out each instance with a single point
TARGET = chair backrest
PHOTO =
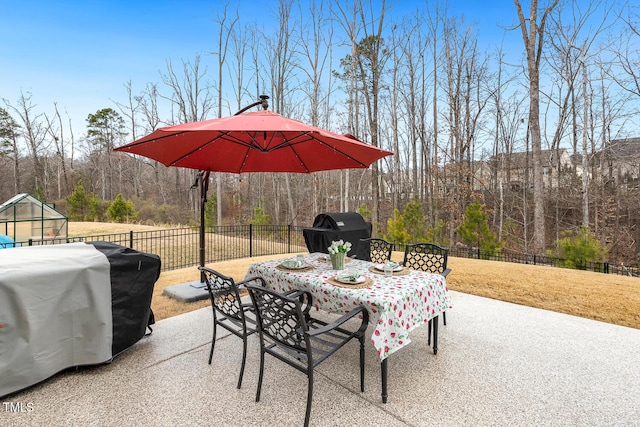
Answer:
(223, 293)
(374, 250)
(426, 257)
(280, 318)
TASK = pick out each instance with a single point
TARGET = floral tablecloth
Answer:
(396, 304)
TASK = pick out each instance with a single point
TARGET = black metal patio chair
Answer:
(289, 333)
(374, 250)
(432, 258)
(228, 310)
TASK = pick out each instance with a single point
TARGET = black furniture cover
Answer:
(133, 275)
(327, 227)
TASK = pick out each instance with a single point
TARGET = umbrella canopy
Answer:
(261, 141)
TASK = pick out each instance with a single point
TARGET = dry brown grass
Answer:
(96, 228)
(603, 297)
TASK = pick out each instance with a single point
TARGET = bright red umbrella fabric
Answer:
(261, 141)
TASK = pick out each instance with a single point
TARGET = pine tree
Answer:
(414, 220)
(577, 249)
(397, 234)
(77, 203)
(121, 210)
(474, 230)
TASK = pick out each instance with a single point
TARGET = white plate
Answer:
(359, 280)
(292, 265)
(381, 267)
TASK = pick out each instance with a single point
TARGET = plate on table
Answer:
(350, 280)
(292, 264)
(380, 267)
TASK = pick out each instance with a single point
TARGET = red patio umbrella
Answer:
(261, 141)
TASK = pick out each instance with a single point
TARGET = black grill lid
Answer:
(344, 221)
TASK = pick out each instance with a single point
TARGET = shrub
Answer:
(576, 249)
(414, 220)
(365, 212)
(121, 210)
(474, 230)
(397, 233)
(438, 234)
(259, 217)
(77, 203)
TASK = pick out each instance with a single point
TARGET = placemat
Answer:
(402, 272)
(368, 282)
(291, 270)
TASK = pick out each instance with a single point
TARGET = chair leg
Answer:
(213, 341)
(444, 318)
(361, 364)
(435, 335)
(259, 389)
(309, 398)
(244, 359)
(429, 332)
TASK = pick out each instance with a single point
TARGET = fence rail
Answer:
(179, 247)
(520, 258)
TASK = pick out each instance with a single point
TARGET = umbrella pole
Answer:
(204, 186)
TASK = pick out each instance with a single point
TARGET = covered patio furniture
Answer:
(289, 333)
(330, 226)
(70, 305)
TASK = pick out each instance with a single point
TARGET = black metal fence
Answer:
(520, 258)
(179, 247)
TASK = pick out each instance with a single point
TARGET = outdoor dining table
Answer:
(397, 304)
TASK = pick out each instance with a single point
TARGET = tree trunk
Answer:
(533, 42)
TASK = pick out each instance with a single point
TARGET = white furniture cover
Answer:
(55, 312)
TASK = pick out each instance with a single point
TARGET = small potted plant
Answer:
(338, 253)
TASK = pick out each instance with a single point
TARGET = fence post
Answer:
(534, 259)
(478, 253)
(606, 268)
(131, 239)
(30, 242)
(288, 238)
(250, 240)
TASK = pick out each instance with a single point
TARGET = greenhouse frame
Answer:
(24, 218)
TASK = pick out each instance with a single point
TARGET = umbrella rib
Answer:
(192, 151)
(310, 135)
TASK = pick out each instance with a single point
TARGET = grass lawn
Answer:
(604, 297)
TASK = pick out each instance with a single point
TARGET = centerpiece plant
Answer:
(338, 253)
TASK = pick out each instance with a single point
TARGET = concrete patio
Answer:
(498, 364)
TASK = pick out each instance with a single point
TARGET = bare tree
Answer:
(57, 134)
(191, 101)
(33, 131)
(371, 57)
(188, 92)
(280, 53)
(9, 144)
(533, 33)
(225, 31)
(316, 33)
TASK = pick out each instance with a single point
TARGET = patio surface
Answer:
(498, 364)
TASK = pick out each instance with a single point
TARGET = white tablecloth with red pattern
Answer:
(397, 305)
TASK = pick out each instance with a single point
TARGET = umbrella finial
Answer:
(264, 101)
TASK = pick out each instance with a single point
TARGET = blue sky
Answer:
(81, 53)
